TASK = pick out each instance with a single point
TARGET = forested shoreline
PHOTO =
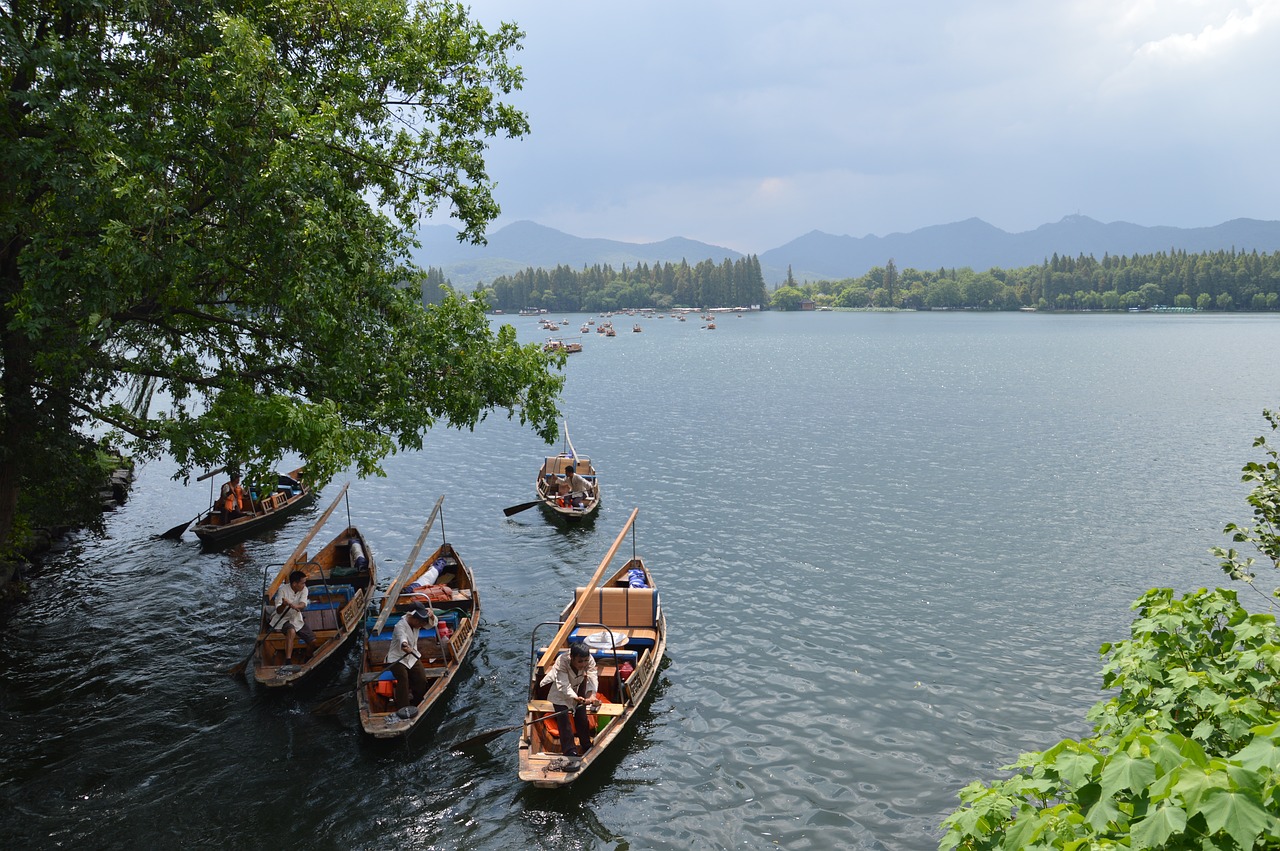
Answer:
(1225, 280)
(1218, 280)
(731, 283)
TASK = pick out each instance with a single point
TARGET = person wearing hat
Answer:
(403, 658)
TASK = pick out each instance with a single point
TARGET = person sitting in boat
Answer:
(290, 600)
(572, 677)
(403, 659)
(576, 487)
(232, 501)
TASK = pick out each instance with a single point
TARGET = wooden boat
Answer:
(292, 493)
(551, 481)
(444, 583)
(623, 625)
(568, 346)
(340, 579)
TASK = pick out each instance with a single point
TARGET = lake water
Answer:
(888, 547)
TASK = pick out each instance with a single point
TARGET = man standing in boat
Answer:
(403, 658)
(289, 602)
(572, 677)
(576, 486)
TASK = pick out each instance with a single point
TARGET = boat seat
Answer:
(619, 607)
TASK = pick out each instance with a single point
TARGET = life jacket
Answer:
(233, 497)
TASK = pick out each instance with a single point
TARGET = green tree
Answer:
(205, 211)
(1185, 755)
(787, 298)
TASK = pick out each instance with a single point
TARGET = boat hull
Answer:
(444, 659)
(269, 514)
(540, 761)
(340, 587)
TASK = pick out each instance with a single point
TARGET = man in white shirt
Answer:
(403, 658)
(290, 600)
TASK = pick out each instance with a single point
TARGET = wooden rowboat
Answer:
(443, 582)
(550, 486)
(340, 579)
(291, 494)
(623, 625)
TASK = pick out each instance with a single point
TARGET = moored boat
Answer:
(621, 622)
(444, 583)
(291, 494)
(339, 580)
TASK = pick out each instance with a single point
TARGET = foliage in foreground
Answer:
(205, 217)
(1185, 755)
(1263, 535)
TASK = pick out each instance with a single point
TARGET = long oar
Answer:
(389, 602)
(524, 506)
(332, 704)
(306, 539)
(489, 735)
(238, 669)
(176, 532)
(570, 619)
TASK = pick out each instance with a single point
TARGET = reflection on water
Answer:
(888, 547)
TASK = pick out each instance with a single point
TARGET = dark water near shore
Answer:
(888, 545)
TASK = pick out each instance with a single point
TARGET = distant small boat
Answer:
(636, 328)
(552, 488)
(568, 347)
(290, 495)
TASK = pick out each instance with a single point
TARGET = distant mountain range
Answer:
(822, 256)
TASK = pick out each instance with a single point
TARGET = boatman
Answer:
(289, 602)
(577, 486)
(232, 500)
(403, 659)
(572, 678)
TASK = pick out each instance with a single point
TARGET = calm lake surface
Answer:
(888, 547)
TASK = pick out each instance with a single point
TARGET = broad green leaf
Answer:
(1157, 827)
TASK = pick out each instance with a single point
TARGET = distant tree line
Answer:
(1219, 280)
(731, 283)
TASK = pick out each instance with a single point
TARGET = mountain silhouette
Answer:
(823, 256)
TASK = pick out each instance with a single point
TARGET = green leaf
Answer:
(1123, 772)
(1239, 814)
(1154, 830)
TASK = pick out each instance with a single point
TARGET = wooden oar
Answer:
(489, 735)
(238, 669)
(570, 619)
(328, 706)
(176, 532)
(389, 602)
(334, 703)
(524, 506)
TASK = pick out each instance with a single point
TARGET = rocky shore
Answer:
(111, 495)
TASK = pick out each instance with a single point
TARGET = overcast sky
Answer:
(747, 123)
